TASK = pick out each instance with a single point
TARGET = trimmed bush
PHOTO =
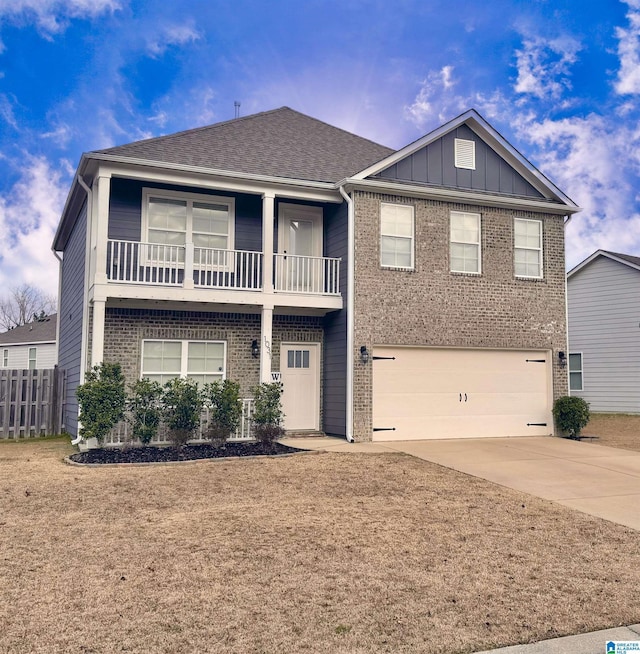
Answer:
(267, 413)
(225, 409)
(102, 400)
(182, 406)
(571, 415)
(145, 411)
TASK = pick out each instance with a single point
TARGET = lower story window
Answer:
(202, 361)
(575, 371)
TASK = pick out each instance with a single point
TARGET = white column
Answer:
(97, 333)
(102, 232)
(265, 345)
(268, 205)
(188, 266)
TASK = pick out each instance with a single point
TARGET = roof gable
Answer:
(278, 143)
(500, 168)
(625, 259)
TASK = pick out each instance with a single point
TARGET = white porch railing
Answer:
(145, 263)
(121, 433)
(297, 274)
(239, 269)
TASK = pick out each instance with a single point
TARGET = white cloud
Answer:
(29, 214)
(53, 16)
(544, 66)
(172, 35)
(628, 81)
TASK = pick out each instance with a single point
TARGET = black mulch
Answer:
(187, 453)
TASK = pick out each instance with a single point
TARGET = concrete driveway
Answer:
(601, 481)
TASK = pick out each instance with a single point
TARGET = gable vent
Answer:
(465, 156)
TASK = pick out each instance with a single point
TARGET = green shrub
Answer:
(145, 409)
(182, 406)
(225, 409)
(267, 413)
(102, 400)
(571, 415)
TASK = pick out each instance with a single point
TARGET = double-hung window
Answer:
(396, 236)
(33, 352)
(527, 248)
(202, 361)
(5, 358)
(172, 219)
(464, 254)
(575, 371)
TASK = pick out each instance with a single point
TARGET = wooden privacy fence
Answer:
(31, 402)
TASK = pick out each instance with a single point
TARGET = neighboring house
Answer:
(406, 294)
(604, 328)
(31, 346)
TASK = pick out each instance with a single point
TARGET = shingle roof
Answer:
(278, 143)
(626, 257)
(39, 331)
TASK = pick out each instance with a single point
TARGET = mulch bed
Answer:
(187, 453)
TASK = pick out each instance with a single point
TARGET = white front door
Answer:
(300, 376)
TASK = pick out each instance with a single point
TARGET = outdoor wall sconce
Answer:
(364, 354)
(255, 350)
(562, 359)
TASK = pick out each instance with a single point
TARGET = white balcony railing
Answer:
(315, 275)
(133, 262)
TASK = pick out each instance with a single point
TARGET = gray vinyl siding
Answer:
(335, 328)
(434, 164)
(604, 325)
(125, 212)
(72, 295)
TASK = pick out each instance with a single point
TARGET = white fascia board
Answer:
(219, 179)
(490, 136)
(458, 195)
(595, 255)
(29, 343)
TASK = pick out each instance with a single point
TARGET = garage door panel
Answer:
(454, 393)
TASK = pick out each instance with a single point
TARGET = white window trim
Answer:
(581, 371)
(478, 242)
(184, 355)
(412, 266)
(190, 198)
(465, 154)
(5, 357)
(35, 358)
(540, 249)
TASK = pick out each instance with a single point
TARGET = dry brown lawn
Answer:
(614, 430)
(336, 553)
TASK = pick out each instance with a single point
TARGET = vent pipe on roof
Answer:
(236, 106)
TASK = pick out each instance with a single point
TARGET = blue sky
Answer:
(560, 79)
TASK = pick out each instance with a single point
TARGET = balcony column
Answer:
(268, 206)
(188, 266)
(265, 345)
(102, 228)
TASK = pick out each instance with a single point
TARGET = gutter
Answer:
(350, 309)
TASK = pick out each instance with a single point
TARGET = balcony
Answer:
(133, 262)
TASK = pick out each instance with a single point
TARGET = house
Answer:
(407, 294)
(603, 294)
(31, 346)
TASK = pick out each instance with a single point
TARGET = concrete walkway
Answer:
(601, 481)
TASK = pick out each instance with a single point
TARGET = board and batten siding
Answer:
(604, 325)
(72, 294)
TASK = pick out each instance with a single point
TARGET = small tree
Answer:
(182, 402)
(267, 413)
(102, 400)
(145, 409)
(571, 415)
(225, 409)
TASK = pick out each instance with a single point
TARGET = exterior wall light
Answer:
(562, 359)
(255, 350)
(364, 354)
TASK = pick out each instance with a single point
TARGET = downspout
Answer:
(566, 303)
(85, 307)
(350, 310)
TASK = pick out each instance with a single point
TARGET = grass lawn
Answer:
(336, 553)
(614, 430)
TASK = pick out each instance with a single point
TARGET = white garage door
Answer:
(421, 393)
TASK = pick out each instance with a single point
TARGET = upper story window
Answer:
(527, 248)
(464, 255)
(174, 219)
(33, 358)
(5, 358)
(202, 361)
(575, 371)
(396, 236)
(465, 154)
